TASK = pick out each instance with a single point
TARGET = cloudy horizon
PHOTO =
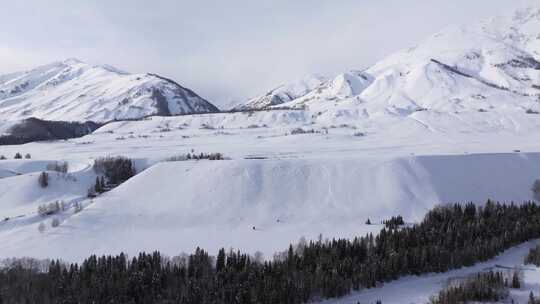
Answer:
(227, 51)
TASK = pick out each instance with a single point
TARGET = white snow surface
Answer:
(72, 90)
(286, 186)
(398, 138)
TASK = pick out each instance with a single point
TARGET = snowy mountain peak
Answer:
(284, 93)
(72, 61)
(77, 91)
(493, 65)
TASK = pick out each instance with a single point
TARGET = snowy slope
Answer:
(177, 206)
(490, 66)
(283, 93)
(72, 90)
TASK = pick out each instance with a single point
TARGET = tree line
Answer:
(491, 286)
(449, 237)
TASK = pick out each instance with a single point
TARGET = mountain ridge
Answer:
(490, 65)
(76, 91)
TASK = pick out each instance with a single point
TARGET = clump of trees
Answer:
(18, 156)
(297, 131)
(51, 208)
(449, 237)
(115, 169)
(394, 222)
(195, 156)
(43, 179)
(533, 257)
(61, 166)
(482, 287)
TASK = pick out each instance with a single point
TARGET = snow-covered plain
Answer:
(286, 186)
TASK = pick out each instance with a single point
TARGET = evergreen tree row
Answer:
(449, 237)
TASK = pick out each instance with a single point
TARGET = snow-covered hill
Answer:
(490, 66)
(72, 90)
(283, 93)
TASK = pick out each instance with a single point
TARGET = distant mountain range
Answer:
(493, 65)
(490, 66)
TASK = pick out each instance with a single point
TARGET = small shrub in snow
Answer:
(78, 207)
(533, 299)
(51, 208)
(41, 227)
(531, 111)
(194, 156)
(91, 193)
(207, 127)
(43, 179)
(61, 167)
(359, 134)
(302, 131)
(55, 222)
(17, 156)
(2, 157)
(181, 157)
(27, 156)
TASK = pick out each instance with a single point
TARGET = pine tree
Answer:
(220, 261)
(515, 281)
(43, 179)
(97, 186)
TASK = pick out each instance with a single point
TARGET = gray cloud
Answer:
(226, 49)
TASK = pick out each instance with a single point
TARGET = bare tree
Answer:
(55, 222)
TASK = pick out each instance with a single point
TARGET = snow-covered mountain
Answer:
(76, 91)
(283, 93)
(490, 66)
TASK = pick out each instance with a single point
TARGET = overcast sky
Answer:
(227, 50)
